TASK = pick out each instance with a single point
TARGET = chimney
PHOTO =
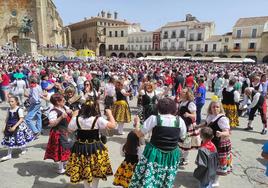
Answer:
(109, 15)
(115, 15)
(103, 14)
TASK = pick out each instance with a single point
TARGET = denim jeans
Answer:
(198, 113)
(34, 113)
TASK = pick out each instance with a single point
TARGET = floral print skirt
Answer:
(88, 161)
(124, 174)
(156, 168)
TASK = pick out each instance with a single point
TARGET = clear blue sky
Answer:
(153, 14)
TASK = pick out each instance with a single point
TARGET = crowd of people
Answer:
(170, 98)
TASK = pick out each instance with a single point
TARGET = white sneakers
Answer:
(61, 171)
(5, 158)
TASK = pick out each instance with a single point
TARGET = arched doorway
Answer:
(158, 54)
(139, 55)
(235, 56)
(148, 54)
(113, 54)
(130, 55)
(122, 55)
(102, 50)
(198, 55)
(222, 56)
(265, 59)
(209, 55)
(187, 55)
(15, 40)
(252, 57)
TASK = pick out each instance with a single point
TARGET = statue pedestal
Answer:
(27, 46)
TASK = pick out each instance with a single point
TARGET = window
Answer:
(252, 45)
(165, 35)
(165, 45)
(145, 47)
(198, 47)
(206, 48)
(140, 47)
(238, 34)
(122, 33)
(172, 45)
(191, 37)
(254, 33)
(181, 45)
(110, 47)
(173, 35)
(182, 34)
(115, 34)
(199, 36)
(149, 47)
(226, 39)
(104, 31)
(190, 47)
(122, 47)
(110, 33)
(214, 47)
(132, 47)
(225, 49)
(237, 46)
(115, 47)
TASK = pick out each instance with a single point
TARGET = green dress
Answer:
(159, 163)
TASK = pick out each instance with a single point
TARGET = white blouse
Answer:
(86, 123)
(168, 120)
(223, 121)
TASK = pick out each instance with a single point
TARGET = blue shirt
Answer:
(265, 150)
(202, 99)
(45, 84)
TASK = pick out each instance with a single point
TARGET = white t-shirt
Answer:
(86, 124)
(223, 122)
(168, 120)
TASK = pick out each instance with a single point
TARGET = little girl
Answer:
(131, 151)
(16, 132)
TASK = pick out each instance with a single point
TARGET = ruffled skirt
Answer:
(156, 168)
(20, 138)
(88, 161)
(121, 112)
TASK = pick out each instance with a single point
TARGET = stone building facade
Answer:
(91, 32)
(47, 27)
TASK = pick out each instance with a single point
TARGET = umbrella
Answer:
(18, 75)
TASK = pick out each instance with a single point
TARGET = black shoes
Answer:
(248, 129)
(264, 131)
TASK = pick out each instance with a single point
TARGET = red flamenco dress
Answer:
(56, 149)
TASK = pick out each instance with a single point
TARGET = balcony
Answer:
(236, 49)
(251, 49)
(165, 37)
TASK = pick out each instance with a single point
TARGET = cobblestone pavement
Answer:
(31, 171)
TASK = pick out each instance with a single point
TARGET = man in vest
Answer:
(257, 103)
